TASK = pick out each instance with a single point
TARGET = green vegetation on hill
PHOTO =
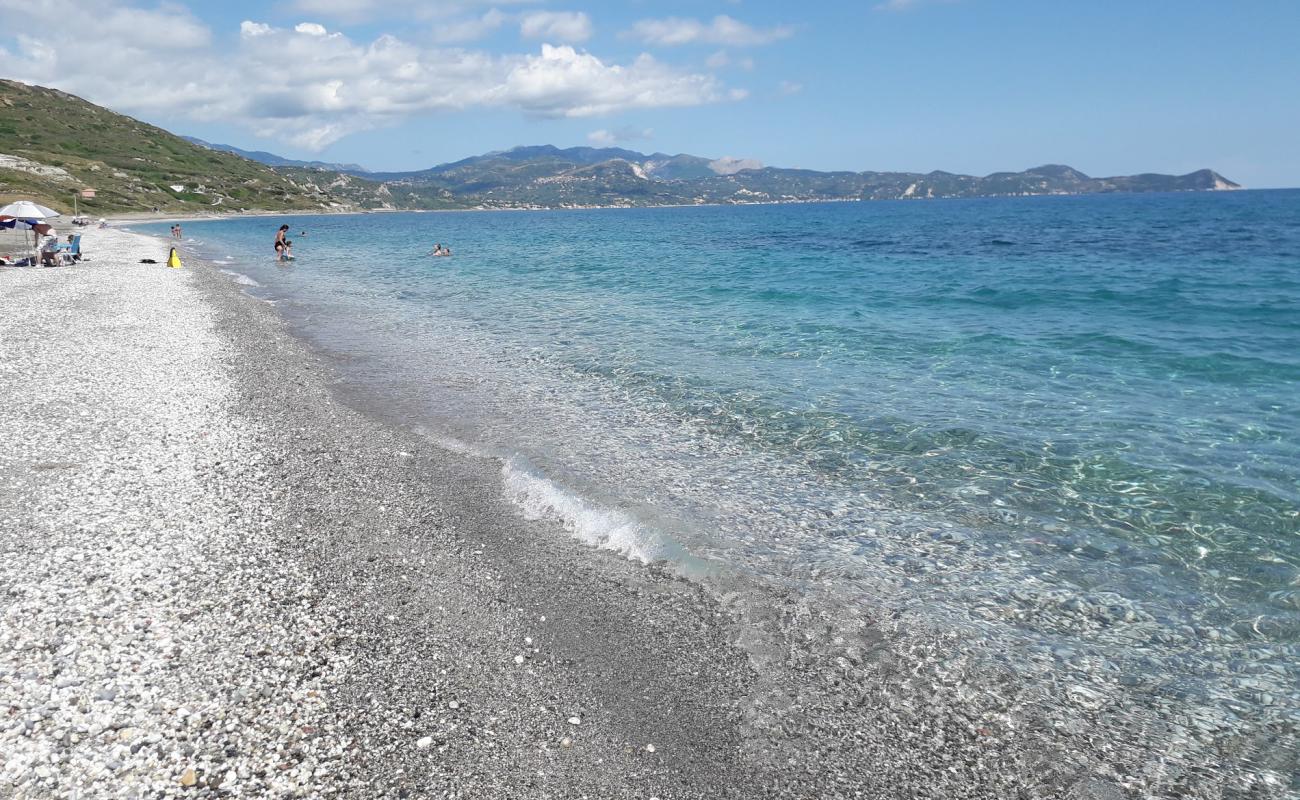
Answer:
(53, 145)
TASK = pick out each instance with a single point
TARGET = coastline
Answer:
(406, 591)
(126, 218)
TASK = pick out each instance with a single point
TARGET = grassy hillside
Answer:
(53, 144)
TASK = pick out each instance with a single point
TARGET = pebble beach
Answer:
(152, 642)
(221, 587)
(224, 578)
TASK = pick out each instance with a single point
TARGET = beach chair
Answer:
(71, 253)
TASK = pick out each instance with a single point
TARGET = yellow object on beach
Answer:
(174, 260)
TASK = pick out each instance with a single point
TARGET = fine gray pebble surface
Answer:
(222, 580)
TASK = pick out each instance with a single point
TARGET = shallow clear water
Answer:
(1069, 424)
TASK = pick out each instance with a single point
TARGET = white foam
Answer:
(607, 528)
(240, 278)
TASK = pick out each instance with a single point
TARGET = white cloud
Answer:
(311, 85)
(563, 82)
(556, 26)
(725, 30)
(470, 29)
(167, 28)
(789, 87)
(608, 138)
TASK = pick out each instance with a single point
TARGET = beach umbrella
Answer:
(28, 212)
(26, 209)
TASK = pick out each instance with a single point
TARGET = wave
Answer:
(240, 278)
(539, 497)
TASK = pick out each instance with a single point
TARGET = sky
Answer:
(1109, 87)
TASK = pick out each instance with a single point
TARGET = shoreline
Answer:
(419, 586)
(126, 218)
(467, 583)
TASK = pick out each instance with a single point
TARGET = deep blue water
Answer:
(1053, 420)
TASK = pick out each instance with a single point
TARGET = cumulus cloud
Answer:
(789, 87)
(563, 82)
(608, 138)
(724, 30)
(556, 26)
(317, 85)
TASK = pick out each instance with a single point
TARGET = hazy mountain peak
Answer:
(1060, 172)
(730, 166)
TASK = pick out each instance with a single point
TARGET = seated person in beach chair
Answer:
(71, 252)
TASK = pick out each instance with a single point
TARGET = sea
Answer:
(1066, 428)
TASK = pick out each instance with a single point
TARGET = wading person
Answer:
(280, 242)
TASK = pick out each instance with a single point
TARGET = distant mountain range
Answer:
(548, 177)
(134, 166)
(272, 160)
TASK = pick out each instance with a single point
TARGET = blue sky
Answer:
(963, 85)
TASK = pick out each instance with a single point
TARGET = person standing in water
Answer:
(280, 242)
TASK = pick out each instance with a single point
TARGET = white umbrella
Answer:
(26, 209)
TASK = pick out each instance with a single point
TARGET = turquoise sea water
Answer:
(1069, 424)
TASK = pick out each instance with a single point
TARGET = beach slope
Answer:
(220, 580)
